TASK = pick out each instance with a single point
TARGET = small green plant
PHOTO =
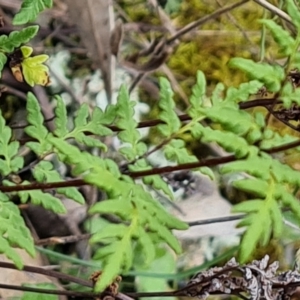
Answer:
(144, 222)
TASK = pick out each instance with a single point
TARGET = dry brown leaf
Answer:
(94, 19)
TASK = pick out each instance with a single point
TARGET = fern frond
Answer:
(61, 120)
(46, 200)
(154, 181)
(167, 106)
(10, 161)
(30, 10)
(17, 38)
(36, 129)
(131, 202)
(265, 213)
(3, 60)
(45, 172)
(294, 13)
(282, 37)
(198, 96)
(243, 92)
(129, 135)
(270, 76)
(13, 232)
(83, 123)
(176, 151)
(229, 141)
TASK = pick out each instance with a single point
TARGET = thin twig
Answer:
(275, 10)
(54, 240)
(155, 171)
(215, 220)
(49, 291)
(50, 273)
(184, 117)
(203, 20)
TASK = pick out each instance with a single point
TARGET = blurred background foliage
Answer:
(209, 47)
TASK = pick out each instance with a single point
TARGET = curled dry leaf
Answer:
(257, 279)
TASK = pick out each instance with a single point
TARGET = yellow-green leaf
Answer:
(34, 71)
(26, 51)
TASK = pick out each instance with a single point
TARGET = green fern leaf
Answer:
(229, 141)
(198, 94)
(100, 118)
(17, 38)
(103, 252)
(176, 151)
(217, 95)
(150, 209)
(3, 197)
(112, 167)
(281, 36)
(46, 200)
(159, 184)
(120, 260)
(45, 172)
(277, 224)
(167, 106)
(270, 76)
(60, 118)
(246, 221)
(243, 92)
(147, 246)
(30, 10)
(249, 206)
(88, 141)
(293, 12)
(272, 139)
(83, 125)
(119, 207)
(112, 267)
(84, 161)
(289, 95)
(35, 119)
(254, 136)
(266, 223)
(255, 186)
(231, 118)
(3, 60)
(130, 201)
(251, 238)
(288, 200)
(285, 174)
(10, 162)
(256, 166)
(110, 231)
(165, 235)
(81, 116)
(10, 253)
(14, 233)
(126, 122)
(154, 180)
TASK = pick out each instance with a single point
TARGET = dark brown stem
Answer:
(182, 118)
(156, 171)
(50, 273)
